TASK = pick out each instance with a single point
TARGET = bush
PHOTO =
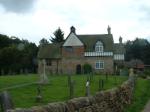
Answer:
(147, 72)
(87, 68)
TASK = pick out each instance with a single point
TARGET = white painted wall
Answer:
(73, 40)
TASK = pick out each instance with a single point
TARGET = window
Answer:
(48, 62)
(69, 48)
(99, 46)
(99, 65)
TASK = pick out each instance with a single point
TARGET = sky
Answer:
(37, 19)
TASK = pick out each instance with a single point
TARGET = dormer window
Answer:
(99, 46)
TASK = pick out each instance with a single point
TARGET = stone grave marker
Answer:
(43, 76)
(39, 94)
(87, 92)
(6, 101)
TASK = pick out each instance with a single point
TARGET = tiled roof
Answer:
(90, 41)
(119, 48)
(50, 51)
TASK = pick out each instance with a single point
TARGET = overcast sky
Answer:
(37, 19)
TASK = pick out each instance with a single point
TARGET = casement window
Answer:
(99, 64)
(48, 62)
(99, 46)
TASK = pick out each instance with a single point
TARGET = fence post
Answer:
(101, 84)
(71, 87)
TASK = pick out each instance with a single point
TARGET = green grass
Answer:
(141, 96)
(57, 90)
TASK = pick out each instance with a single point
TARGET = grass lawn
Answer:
(57, 90)
(141, 96)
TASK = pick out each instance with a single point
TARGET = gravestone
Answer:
(131, 72)
(87, 93)
(6, 101)
(39, 95)
(43, 76)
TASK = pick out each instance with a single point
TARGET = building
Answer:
(98, 50)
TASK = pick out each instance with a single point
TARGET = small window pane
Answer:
(99, 46)
(99, 65)
(48, 62)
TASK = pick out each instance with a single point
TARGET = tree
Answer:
(138, 49)
(43, 41)
(58, 36)
(17, 56)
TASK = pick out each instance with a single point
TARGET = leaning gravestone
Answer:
(43, 76)
(6, 101)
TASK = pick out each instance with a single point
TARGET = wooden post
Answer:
(116, 74)
(69, 79)
(71, 88)
(101, 84)
(106, 76)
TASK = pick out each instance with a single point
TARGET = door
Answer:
(78, 69)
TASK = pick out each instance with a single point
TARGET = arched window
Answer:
(99, 46)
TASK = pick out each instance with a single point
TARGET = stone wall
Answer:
(105, 101)
(70, 64)
(54, 68)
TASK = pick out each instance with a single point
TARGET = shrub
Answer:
(87, 68)
(147, 72)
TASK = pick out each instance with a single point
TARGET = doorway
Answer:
(78, 69)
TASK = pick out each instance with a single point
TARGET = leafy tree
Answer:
(17, 55)
(138, 49)
(58, 36)
(5, 41)
(43, 41)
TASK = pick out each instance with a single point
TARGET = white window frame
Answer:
(99, 46)
(99, 64)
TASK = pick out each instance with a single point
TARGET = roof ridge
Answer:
(90, 34)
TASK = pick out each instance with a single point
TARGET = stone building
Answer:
(98, 50)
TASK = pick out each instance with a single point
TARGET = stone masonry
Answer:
(112, 100)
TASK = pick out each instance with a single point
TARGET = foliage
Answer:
(58, 36)
(138, 49)
(147, 72)
(51, 92)
(17, 55)
(140, 97)
(43, 41)
(87, 68)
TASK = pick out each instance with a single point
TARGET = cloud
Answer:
(17, 6)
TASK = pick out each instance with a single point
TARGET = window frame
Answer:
(99, 47)
(68, 48)
(48, 62)
(99, 64)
